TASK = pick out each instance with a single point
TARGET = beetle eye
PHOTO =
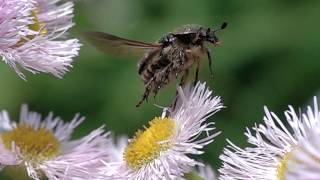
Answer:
(208, 30)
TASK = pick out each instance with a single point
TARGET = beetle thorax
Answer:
(189, 28)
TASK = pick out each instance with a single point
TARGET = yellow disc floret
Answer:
(282, 166)
(35, 145)
(36, 26)
(147, 144)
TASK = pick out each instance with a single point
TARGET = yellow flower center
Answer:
(147, 145)
(35, 145)
(36, 26)
(282, 166)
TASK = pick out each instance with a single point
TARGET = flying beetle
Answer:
(169, 58)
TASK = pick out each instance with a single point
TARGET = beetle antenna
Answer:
(223, 26)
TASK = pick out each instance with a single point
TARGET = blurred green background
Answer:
(269, 56)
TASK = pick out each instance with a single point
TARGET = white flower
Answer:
(274, 145)
(161, 151)
(33, 36)
(44, 146)
(304, 161)
(206, 172)
(115, 152)
(14, 20)
(116, 148)
(201, 173)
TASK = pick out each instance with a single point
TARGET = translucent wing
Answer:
(116, 45)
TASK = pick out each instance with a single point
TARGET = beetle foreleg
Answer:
(210, 63)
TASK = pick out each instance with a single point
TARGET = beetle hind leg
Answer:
(144, 97)
(183, 81)
(196, 76)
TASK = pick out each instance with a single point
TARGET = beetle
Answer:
(169, 58)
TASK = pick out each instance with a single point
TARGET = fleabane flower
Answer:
(116, 148)
(206, 172)
(304, 161)
(201, 173)
(14, 20)
(33, 36)
(44, 147)
(274, 146)
(162, 150)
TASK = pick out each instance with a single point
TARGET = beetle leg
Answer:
(183, 81)
(144, 97)
(182, 57)
(162, 78)
(210, 63)
(179, 61)
(184, 77)
(146, 91)
(157, 86)
(147, 58)
(196, 73)
(155, 83)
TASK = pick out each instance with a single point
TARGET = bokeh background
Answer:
(270, 55)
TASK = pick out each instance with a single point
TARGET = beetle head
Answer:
(211, 34)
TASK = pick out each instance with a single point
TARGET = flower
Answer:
(44, 146)
(304, 161)
(116, 148)
(33, 36)
(206, 172)
(161, 151)
(274, 146)
(115, 151)
(201, 173)
(14, 20)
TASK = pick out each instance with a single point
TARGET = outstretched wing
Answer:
(116, 45)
